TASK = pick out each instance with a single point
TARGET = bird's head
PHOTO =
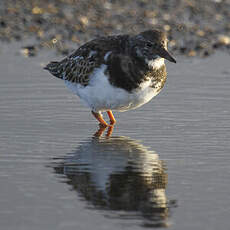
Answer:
(151, 44)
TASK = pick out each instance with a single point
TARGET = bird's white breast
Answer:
(100, 95)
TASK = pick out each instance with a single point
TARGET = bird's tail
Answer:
(54, 68)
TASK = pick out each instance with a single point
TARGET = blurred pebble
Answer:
(167, 27)
(192, 53)
(223, 39)
(29, 51)
(37, 10)
(200, 33)
(84, 20)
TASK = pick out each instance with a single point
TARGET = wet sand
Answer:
(174, 151)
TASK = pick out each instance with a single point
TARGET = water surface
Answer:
(167, 164)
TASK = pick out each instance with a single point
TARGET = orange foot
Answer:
(101, 120)
(103, 124)
(101, 130)
(109, 131)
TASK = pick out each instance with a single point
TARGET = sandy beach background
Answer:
(195, 28)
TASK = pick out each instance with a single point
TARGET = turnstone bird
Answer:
(118, 73)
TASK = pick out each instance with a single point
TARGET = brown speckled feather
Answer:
(77, 67)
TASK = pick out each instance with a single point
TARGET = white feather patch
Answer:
(76, 58)
(100, 95)
(107, 55)
(92, 53)
(156, 63)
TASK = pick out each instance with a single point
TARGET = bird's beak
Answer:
(162, 52)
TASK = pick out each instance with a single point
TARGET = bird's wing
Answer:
(124, 71)
(78, 66)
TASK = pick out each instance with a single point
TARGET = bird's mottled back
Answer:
(78, 66)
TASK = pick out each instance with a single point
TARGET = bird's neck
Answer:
(155, 63)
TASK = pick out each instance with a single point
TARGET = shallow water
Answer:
(166, 165)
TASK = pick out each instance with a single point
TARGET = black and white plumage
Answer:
(116, 72)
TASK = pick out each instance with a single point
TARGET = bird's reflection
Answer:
(121, 175)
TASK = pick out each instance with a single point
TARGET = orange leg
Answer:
(110, 131)
(111, 117)
(100, 131)
(99, 117)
